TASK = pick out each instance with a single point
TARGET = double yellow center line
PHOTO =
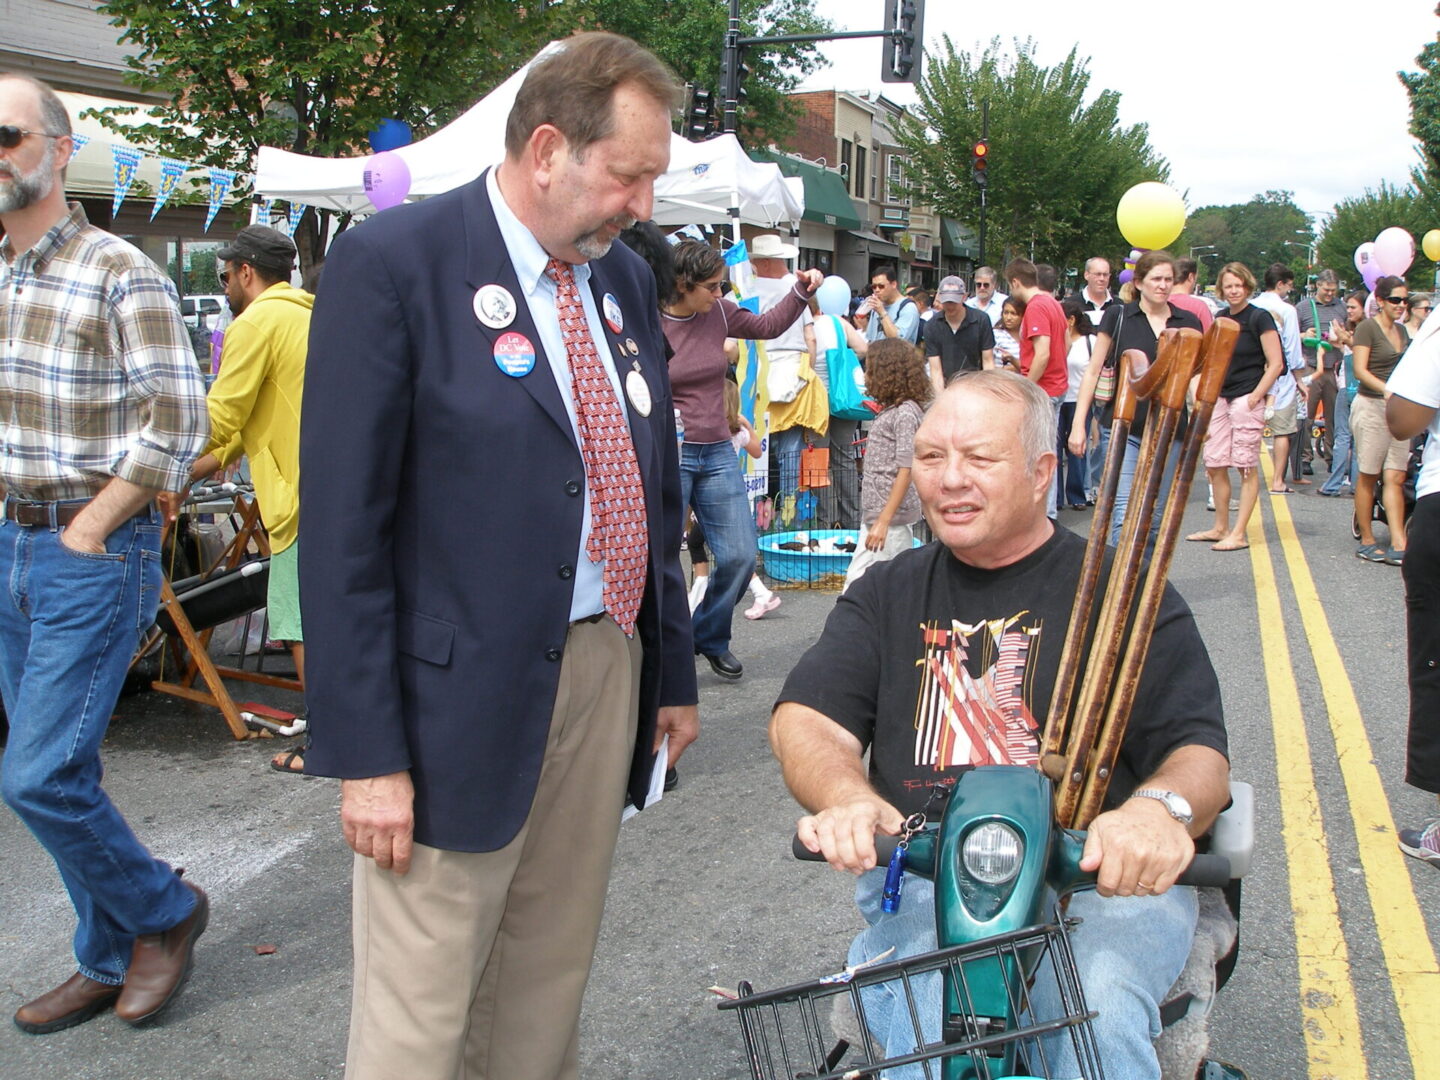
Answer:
(1327, 1000)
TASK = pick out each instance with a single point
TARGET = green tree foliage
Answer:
(315, 77)
(1269, 228)
(1360, 218)
(690, 37)
(1423, 86)
(1058, 166)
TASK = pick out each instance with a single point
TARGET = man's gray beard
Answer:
(27, 189)
(592, 247)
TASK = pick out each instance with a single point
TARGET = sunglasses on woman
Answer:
(12, 136)
(1393, 299)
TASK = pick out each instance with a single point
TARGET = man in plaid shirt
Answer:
(101, 408)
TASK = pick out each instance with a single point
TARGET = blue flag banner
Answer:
(221, 180)
(292, 220)
(127, 159)
(79, 144)
(750, 373)
(170, 173)
(264, 207)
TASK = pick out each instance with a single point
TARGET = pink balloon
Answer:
(387, 179)
(1362, 255)
(1394, 251)
(1372, 273)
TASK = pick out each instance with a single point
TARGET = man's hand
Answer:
(75, 537)
(1138, 848)
(845, 834)
(808, 281)
(377, 815)
(682, 724)
(170, 503)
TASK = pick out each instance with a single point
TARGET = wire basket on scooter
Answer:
(786, 1030)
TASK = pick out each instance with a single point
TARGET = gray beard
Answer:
(26, 190)
(592, 247)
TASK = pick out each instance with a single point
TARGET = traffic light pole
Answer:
(985, 138)
(734, 43)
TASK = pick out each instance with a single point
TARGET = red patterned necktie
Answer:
(617, 498)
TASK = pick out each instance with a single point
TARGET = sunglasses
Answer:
(224, 276)
(876, 288)
(12, 136)
(1393, 299)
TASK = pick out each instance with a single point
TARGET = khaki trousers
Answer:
(472, 966)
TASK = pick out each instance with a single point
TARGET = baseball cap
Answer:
(951, 291)
(262, 247)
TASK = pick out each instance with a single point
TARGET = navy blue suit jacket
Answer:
(440, 520)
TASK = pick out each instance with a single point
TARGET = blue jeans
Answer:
(1127, 481)
(1343, 461)
(1074, 468)
(1124, 984)
(69, 623)
(711, 485)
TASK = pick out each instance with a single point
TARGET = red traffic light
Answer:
(981, 149)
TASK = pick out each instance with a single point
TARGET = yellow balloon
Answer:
(1431, 245)
(1151, 215)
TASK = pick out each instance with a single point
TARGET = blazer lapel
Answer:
(488, 263)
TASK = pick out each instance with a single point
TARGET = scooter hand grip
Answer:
(1212, 870)
(884, 848)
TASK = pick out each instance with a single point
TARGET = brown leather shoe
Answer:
(159, 964)
(73, 1002)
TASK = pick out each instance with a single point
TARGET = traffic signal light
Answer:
(698, 124)
(980, 162)
(904, 20)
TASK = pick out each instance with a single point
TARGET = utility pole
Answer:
(984, 187)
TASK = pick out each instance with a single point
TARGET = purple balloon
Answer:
(1372, 273)
(1126, 276)
(387, 180)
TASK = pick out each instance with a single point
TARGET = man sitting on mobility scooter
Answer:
(945, 658)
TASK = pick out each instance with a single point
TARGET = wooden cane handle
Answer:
(1133, 365)
(1182, 352)
(1215, 353)
(1147, 380)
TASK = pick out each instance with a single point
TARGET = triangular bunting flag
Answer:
(170, 173)
(127, 158)
(221, 180)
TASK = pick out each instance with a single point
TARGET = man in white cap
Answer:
(961, 339)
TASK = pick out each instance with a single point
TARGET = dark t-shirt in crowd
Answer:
(959, 665)
(1247, 365)
(1135, 332)
(959, 350)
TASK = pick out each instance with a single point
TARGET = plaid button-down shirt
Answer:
(97, 374)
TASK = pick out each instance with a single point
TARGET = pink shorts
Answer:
(1234, 438)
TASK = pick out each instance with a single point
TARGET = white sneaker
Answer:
(762, 607)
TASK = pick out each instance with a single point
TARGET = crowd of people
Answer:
(493, 671)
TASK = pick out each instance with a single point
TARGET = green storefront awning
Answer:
(955, 239)
(826, 200)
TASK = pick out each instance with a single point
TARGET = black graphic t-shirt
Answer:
(936, 666)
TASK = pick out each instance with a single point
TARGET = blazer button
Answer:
(567, 572)
(552, 655)
(572, 487)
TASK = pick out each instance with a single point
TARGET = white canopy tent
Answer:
(703, 181)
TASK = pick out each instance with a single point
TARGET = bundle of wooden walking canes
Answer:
(1088, 715)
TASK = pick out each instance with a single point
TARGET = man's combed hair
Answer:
(574, 87)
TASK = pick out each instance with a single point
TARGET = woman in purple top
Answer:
(697, 320)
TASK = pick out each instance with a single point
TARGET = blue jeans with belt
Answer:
(711, 484)
(69, 624)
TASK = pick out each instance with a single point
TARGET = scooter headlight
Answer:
(992, 853)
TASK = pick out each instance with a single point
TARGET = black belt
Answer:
(43, 513)
(589, 618)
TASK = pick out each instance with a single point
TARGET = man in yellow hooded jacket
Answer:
(255, 410)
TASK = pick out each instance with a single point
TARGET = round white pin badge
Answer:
(494, 306)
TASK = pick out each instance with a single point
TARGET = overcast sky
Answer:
(1292, 96)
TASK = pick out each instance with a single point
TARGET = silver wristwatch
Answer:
(1178, 805)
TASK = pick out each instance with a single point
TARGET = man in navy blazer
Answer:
(486, 714)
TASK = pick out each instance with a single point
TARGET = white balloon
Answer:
(1394, 251)
(833, 296)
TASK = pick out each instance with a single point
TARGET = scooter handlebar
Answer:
(1204, 870)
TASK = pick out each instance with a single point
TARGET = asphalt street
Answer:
(704, 892)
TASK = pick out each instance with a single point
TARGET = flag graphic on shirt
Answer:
(963, 719)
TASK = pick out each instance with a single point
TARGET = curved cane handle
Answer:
(1214, 359)
(1133, 365)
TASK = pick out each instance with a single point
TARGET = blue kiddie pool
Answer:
(820, 556)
